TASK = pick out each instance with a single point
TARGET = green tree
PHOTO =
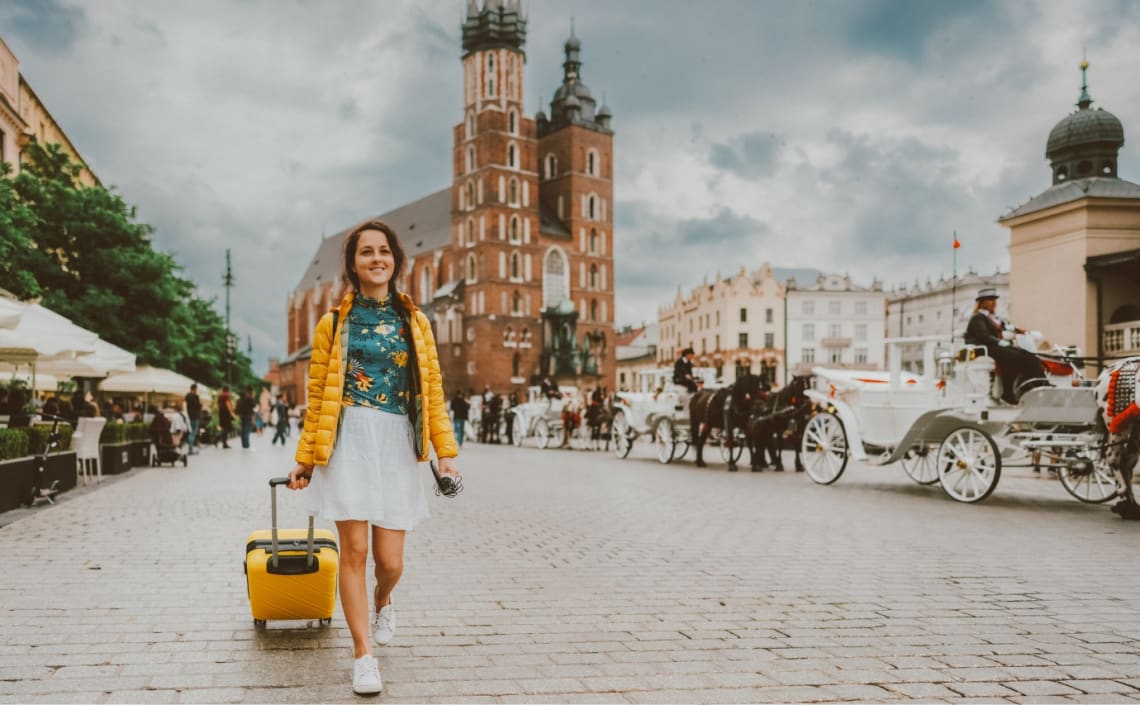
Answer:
(81, 249)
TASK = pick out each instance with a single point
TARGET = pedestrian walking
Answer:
(194, 411)
(281, 413)
(246, 410)
(460, 407)
(226, 414)
(386, 396)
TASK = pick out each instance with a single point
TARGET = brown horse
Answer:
(725, 409)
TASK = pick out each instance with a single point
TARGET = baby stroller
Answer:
(165, 448)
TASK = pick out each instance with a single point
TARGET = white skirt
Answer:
(373, 474)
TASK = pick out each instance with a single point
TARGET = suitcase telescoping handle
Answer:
(273, 482)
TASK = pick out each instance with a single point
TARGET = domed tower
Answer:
(495, 202)
(1074, 248)
(575, 153)
(1086, 142)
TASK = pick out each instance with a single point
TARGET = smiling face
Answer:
(374, 263)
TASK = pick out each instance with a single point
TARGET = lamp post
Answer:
(231, 341)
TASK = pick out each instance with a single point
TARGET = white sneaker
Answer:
(366, 676)
(384, 625)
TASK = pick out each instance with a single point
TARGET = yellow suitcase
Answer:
(291, 573)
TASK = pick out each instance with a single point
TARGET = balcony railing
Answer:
(1122, 338)
(836, 342)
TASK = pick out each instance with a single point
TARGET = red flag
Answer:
(956, 243)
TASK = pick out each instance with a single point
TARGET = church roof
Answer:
(1068, 191)
(422, 226)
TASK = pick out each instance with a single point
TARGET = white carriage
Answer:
(946, 427)
(659, 410)
(540, 418)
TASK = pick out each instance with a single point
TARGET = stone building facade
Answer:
(514, 261)
(833, 322)
(24, 119)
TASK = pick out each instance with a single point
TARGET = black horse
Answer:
(782, 415)
(598, 420)
(726, 409)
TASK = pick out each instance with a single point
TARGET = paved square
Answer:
(571, 576)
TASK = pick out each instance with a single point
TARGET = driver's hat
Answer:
(987, 293)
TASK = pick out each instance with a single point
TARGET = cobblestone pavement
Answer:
(570, 576)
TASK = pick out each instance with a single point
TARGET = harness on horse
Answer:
(1120, 401)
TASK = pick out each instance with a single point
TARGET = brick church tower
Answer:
(531, 222)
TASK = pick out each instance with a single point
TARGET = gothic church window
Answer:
(592, 163)
(593, 241)
(470, 268)
(555, 278)
(470, 159)
(490, 75)
(514, 232)
(515, 269)
(593, 276)
(516, 302)
(591, 207)
(470, 232)
(551, 166)
(512, 154)
(513, 192)
(512, 122)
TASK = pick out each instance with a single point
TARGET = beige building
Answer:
(25, 119)
(1075, 248)
(834, 322)
(636, 355)
(735, 324)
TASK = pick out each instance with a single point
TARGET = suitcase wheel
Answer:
(326, 621)
(259, 623)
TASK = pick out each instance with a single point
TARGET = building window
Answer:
(514, 231)
(551, 166)
(516, 302)
(743, 340)
(513, 192)
(470, 232)
(836, 330)
(833, 308)
(860, 331)
(470, 194)
(836, 356)
(743, 315)
(491, 75)
(470, 126)
(593, 241)
(470, 159)
(590, 207)
(512, 120)
(861, 308)
(768, 315)
(511, 153)
(425, 284)
(509, 337)
(808, 355)
(592, 163)
(769, 340)
(809, 307)
(555, 280)
(515, 269)
(861, 356)
(594, 276)
(593, 309)
(470, 268)
(743, 367)
(809, 331)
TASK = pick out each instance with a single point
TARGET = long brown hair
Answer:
(352, 239)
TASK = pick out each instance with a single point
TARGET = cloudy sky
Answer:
(848, 135)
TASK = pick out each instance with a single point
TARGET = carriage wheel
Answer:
(1091, 482)
(919, 464)
(738, 441)
(680, 449)
(666, 442)
(518, 434)
(619, 435)
(969, 465)
(824, 448)
(542, 433)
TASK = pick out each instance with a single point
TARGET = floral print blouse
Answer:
(376, 373)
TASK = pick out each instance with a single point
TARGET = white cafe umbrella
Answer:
(149, 380)
(43, 382)
(107, 359)
(42, 335)
(10, 312)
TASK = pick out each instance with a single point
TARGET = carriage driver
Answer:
(986, 328)
(683, 371)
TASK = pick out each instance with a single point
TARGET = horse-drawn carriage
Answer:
(661, 411)
(948, 426)
(540, 417)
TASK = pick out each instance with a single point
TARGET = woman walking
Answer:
(375, 402)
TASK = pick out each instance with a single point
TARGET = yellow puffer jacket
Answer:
(326, 387)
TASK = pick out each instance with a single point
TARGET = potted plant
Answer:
(115, 448)
(17, 468)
